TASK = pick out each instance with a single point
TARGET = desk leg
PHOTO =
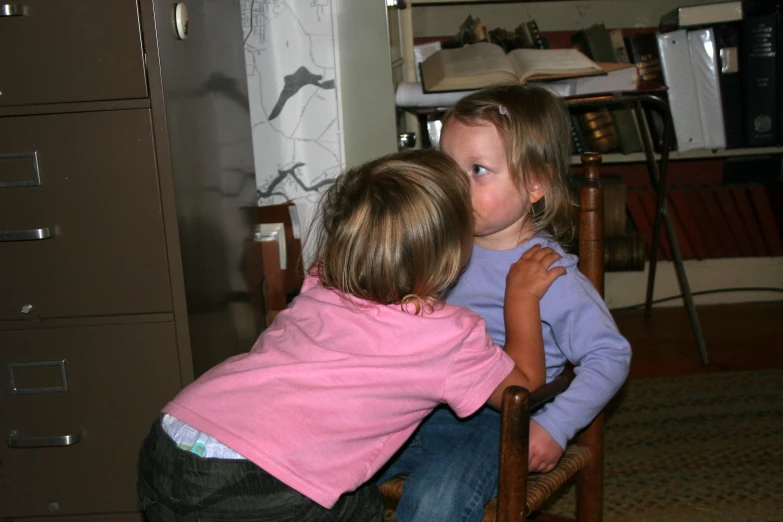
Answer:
(658, 179)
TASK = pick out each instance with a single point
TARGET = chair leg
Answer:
(590, 480)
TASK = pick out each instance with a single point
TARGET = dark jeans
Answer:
(176, 485)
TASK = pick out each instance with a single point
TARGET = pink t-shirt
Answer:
(330, 392)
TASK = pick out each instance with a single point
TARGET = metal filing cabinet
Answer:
(114, 234)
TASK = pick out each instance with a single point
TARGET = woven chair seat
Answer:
(540, 486)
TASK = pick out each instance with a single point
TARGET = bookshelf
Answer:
(432, 19)
(639, 157)
(435, 18)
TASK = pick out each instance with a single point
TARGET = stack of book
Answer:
(721, 64)
(717, 221)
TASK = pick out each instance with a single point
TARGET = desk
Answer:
(638, 101)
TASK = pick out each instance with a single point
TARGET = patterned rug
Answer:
(705, 447)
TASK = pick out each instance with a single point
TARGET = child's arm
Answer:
(516, 377)
(586, 334)
(526, 283)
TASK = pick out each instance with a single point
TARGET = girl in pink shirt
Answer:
(295, 428)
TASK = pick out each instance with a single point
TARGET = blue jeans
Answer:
(452, 468)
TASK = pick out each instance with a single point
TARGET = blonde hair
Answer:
(397, 229)
(536, 132)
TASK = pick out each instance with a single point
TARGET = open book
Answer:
(483, 64)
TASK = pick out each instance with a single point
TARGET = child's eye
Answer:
(478, 170)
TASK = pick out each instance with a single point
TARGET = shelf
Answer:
(446, 2)
(639, 157)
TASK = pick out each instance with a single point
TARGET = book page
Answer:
(552, 62)
(479, 58)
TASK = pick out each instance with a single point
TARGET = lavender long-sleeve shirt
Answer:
(577, 327)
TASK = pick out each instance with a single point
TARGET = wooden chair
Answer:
(520, 494)
(269, 284)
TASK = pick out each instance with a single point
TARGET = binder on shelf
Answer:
(683, 102)
(728, 44)
(705, 72)
(760, 75)
(772, 8)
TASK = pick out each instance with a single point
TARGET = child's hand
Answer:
(543, 452)
(531, 276)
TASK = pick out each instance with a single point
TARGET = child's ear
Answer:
(536, 192)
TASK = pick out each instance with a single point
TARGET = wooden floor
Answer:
(745, 336)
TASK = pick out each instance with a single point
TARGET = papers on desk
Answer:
(619, 77)
(411, 94)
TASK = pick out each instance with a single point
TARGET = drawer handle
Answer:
(14, 441)
(13, 10)
(34, 234)
(36, 178)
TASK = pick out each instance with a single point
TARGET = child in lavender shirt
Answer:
(514, 143)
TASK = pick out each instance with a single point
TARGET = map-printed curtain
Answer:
(291, 57)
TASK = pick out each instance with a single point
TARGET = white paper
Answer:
(422, 52)
(411, 94)
(625, 79)
(273, 232)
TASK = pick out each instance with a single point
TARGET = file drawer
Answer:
(75, 404)
(81, 227)
(68, 51)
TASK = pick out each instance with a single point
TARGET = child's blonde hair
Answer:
(397, 229)
(536, 132)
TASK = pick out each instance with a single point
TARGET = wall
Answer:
(630, 288)
(550, 16)
(318, 101)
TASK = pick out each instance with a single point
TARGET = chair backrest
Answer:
(591, 222)
(515, 411)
